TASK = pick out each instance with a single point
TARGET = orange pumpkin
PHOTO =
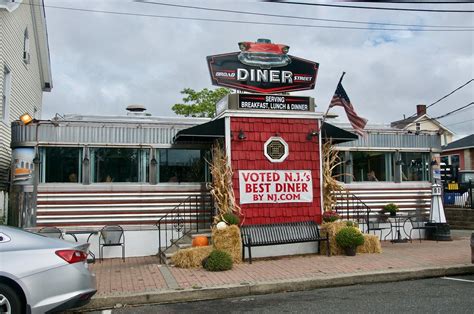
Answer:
(200, 241)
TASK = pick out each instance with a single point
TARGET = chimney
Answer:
(420, 110)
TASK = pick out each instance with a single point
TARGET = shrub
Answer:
(352, 224)
(390, 208)
(349, 237)
(330, 216)
(231, 219)
(218, 261)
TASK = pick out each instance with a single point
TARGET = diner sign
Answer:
(262, 67)
(275, 186)
(273, 102)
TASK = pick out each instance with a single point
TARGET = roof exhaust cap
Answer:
(136, 110)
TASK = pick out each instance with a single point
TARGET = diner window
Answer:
(61, 164)
(415, 166)
(182, 165)
(372, 166)
(119, 165)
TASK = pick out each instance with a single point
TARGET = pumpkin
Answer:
(200, 241)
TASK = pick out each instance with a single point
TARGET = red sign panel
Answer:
(261, 73)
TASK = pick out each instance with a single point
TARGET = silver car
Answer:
(40, 274)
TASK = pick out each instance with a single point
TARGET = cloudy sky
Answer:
(103, 62)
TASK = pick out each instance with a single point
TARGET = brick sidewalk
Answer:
(145, 275)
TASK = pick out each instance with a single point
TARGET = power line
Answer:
(370, 8)
(444, 115)
(293, 17)
(249, 22)
(460, 122)
(455, 110)
(445, 96)
(460, 87)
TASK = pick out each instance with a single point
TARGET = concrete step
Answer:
(185, 242)
(184, 245)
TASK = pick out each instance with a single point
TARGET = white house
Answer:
(25, 73)
(423, 123)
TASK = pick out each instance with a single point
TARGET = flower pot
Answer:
(350, 251)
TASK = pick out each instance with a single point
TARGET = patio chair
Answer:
(111, 235)
(418, 222)
(52, 232)
(377, 225)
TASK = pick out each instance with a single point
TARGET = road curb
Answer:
(244, 289)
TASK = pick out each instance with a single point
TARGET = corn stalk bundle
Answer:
(331, 160)
(221, 187)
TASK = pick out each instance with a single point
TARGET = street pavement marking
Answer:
(458, 279)
(107, 312)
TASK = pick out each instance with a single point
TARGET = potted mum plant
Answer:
(390, 208)
(349, 238)
(330, 216)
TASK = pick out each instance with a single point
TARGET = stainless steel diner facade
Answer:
(76, 171)
(390, 165)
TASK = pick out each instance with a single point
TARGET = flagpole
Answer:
(329, 107)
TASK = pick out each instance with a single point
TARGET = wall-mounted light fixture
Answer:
(348, 162)
(37, 159)
(153, 161)
(86, 160)
(242, 135)
(26, 118)
(311, 134)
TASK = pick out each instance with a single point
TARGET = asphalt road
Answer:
(437, 295)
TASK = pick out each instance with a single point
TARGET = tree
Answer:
(200, 103)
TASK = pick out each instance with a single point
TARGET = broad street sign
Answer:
(262, 67)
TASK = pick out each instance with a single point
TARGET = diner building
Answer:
(83, 172)
(89, 171)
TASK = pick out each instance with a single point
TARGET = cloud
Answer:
(102, 63)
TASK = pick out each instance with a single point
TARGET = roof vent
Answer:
(136, 110)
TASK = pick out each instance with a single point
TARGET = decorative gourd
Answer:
(200, 241)
(221, 225)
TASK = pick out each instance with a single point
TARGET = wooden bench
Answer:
(281, 233)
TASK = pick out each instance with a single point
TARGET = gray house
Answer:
(25, 73)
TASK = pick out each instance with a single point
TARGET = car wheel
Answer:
(9, 300)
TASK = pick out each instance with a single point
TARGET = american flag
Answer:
(340, 98)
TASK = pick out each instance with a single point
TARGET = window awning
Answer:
(206, 132)
(214, 129)
(336, 135)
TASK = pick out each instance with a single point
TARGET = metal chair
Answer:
(377, 225)
(418, 222)
(52, 232)
(111, 235)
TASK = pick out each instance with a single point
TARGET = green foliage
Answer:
(199, 103)
(349, 237)
(390, 208)
(218, 261)
(351, 224)
(231, 219)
